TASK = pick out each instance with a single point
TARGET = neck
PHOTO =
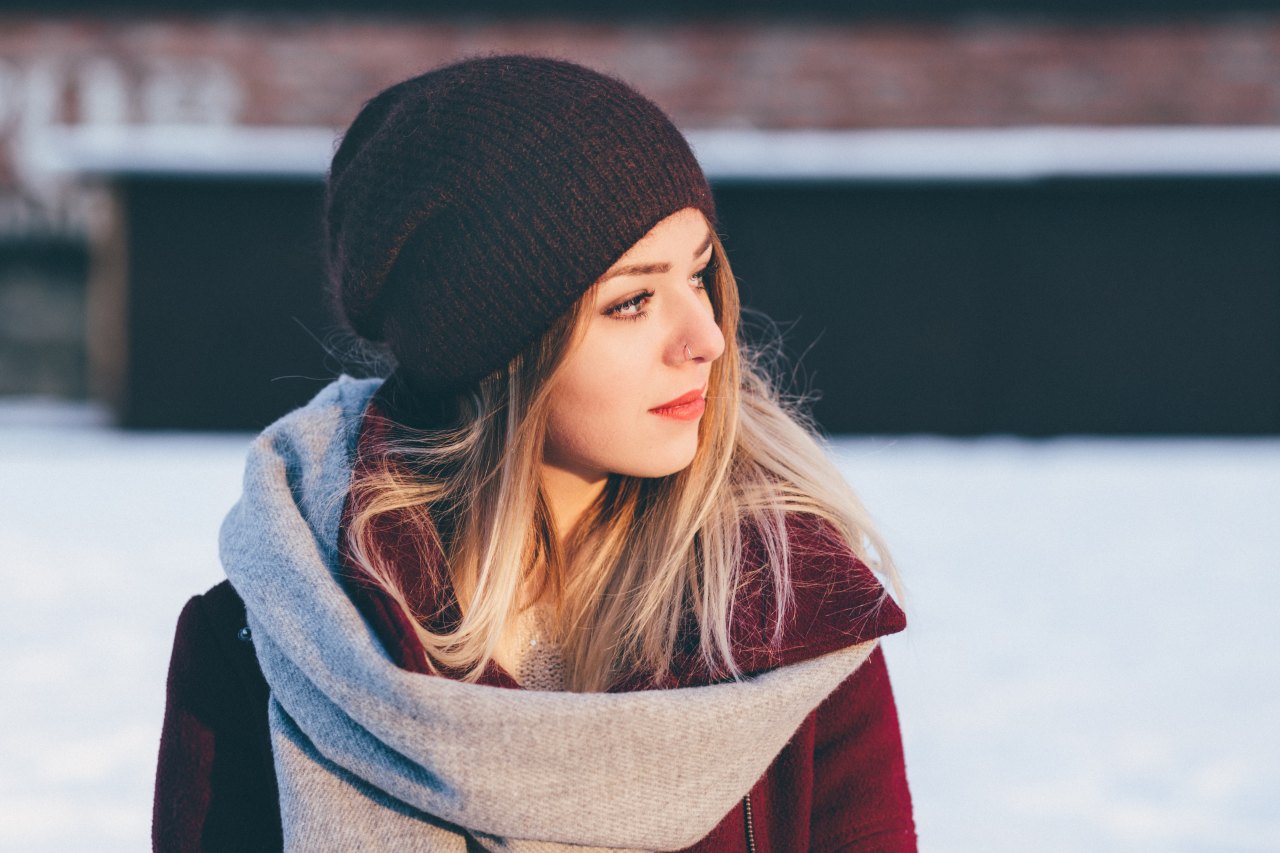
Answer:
(568, 494)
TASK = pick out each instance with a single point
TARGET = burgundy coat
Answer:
(839, 785)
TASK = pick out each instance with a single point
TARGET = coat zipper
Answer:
(746, 815)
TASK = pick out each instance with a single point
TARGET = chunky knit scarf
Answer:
(370, 756)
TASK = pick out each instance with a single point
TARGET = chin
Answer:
(664, 468)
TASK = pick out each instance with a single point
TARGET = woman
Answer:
(573, 576)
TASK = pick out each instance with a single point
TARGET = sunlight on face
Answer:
(607, 410)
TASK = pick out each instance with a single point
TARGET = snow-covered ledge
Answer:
(1013, 153)
(68, 150)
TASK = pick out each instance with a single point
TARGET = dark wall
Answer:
(225, 307)
(42, 328)
(1103, 306)
(1068, 306)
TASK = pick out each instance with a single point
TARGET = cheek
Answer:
(596, 384)
(578, 425)
(599, 420)
(594, 407)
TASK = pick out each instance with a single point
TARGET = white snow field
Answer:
(1092, 664)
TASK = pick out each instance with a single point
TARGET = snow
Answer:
(1092, 662)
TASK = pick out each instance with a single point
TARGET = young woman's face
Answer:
(650, 339)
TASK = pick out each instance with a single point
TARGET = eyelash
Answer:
(640, 298)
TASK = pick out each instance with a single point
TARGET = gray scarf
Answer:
(373, 757)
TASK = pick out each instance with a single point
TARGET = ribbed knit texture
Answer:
(469, 207)
(372, 757)
(540, 663)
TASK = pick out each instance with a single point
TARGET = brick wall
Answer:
(238, 69)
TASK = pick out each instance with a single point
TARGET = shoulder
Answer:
(834, 599)
(222, 603)
(213, 645)
(215, 783)
(206, 615)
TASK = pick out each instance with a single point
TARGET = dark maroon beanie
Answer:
(471, 206)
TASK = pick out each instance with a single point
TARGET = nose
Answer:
(697, 329)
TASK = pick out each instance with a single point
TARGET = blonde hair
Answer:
(467, 511)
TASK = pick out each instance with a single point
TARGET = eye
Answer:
(701, 275)
(631, 308)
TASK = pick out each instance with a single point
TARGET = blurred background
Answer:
(1024, 254)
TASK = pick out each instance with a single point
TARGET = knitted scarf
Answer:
(371, 756)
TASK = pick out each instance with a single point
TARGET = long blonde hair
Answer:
(467, 510)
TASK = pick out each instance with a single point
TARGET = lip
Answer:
(686, 407)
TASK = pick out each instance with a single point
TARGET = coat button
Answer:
(244, 635)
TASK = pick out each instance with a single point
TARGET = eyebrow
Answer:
(651, 269)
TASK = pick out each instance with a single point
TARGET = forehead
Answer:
(683, 231)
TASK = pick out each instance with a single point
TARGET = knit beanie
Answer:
(469, 207)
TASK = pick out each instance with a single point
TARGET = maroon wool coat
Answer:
(839, 785)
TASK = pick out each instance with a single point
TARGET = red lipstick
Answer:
(686, 407)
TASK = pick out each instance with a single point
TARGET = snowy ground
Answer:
(1093, 662)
